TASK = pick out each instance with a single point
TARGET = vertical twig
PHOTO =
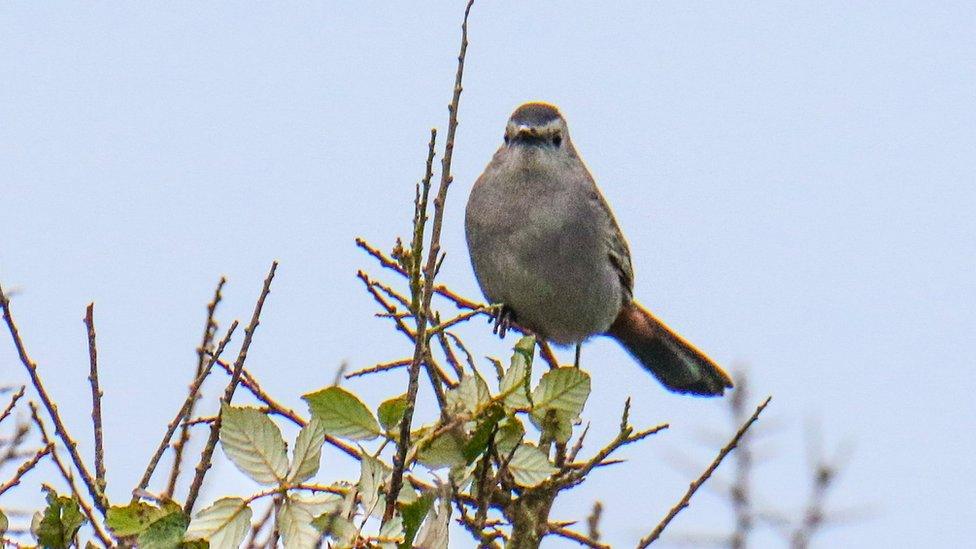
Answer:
(740, 490)
(204, 464)
(433, 256)
(50, 406)
(209, 332)
(696, 484)
(70, 479)
(183, 412)
(97, 393)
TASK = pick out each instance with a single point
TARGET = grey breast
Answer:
(537, 234)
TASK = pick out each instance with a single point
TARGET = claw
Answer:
(503, 319)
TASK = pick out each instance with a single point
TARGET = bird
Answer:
(546, 247)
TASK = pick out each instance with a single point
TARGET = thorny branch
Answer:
(205, 456)
(693, 487)
(96, 392)
(203, 352)
(52, 409)
(423, 299)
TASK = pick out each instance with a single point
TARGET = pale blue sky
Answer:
(795, 179)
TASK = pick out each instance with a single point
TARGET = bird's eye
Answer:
(557, 140)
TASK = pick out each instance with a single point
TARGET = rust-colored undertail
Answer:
(675, 362)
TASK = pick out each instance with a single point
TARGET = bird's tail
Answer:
(676, 363)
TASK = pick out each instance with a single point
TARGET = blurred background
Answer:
(795, 180)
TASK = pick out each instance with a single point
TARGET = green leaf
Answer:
(515, 383)
(4, 524)
(413, 515)
(135, 518)
(372, 476)
(392, 530)
(343, 414)
(482, 433)
(510, 434)
(295, 519)
(444, 450)
(224, 524)
(391, 412)
(469, 396)
(556, 423)
(308, 452)
(529, 466)
(253, 443)
(562, 389)
(60, 522)
(434, 534)
(165, 533)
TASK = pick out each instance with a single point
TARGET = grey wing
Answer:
(617, 249)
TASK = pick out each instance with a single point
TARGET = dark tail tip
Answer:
(675, 362)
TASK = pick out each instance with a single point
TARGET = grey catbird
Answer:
(546, 246)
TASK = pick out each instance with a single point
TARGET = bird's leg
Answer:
(578, 347)
(503, 318)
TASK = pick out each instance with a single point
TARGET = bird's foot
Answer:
(503, 318)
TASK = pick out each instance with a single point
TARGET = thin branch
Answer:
(420, 347)
(205, 456)
(183, 412)
(381, 367)
(577, 537)
(13, 403)
(24, 467)
(52, 409)
(70, 479)
(206, 342)
(593, 521)
(693, 487)
(97, 393)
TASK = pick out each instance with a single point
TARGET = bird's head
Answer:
(537, 125)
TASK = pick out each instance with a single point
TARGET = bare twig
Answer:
(206, 342)
(97, 393)
(593, 521)
(693, 487)
(205, 456)
(52, 409)
(24, 467)
(577, 537)
(70, 479)
(433, 256)
(184, 411)
(381, 367)
(13, 403)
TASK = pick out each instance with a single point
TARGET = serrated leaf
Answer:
(478, 442)
(413, 515)
(444, 450)
(510, 433)
(342, 414)
(165, 533)
(372, 477)
(515, 383)
(391, 532)
(133, 519)
(224, 524)
(254, 444)
(295, 519)
(434, 533)
(60, 522)
(391, 412)
(562, 389)
(529, 466)
(556, 423)
(469, 396)
(308, 452)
